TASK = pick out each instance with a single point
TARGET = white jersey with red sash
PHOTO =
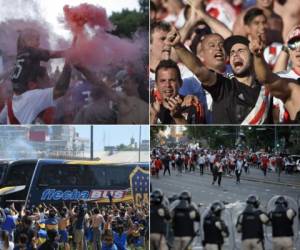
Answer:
(259, 113)
(24, 108)
(284, 116)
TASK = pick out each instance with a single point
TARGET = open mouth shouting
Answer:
(169, 92)
(238, 64)
(219, 56)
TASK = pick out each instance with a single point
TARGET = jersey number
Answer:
(18, 69)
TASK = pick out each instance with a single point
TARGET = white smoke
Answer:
(18, 149)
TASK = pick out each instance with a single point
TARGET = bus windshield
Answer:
(100, 176)
(18, 175)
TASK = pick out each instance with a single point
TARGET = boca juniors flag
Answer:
(139, 183)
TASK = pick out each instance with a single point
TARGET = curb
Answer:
(261, 180)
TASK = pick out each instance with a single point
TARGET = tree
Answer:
(128, 22)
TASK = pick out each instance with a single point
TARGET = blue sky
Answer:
(113, 134)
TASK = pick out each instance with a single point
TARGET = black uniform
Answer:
(182, 222)
(213, 234)
(252, 226)
(282, 226)
(158, 223)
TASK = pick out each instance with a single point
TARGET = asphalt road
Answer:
(204, 192)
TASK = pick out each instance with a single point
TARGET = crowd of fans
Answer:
(81, 226)
(73, 94)
(218, 162)
(224, 61)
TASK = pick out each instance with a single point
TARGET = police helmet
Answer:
(217, 207)
(253, 200)
(281, 201)
(174, 197)
(186, 196)
(156, 196)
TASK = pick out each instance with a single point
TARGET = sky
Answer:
(113, 134)
(52, 10)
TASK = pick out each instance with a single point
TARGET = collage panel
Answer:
(224, 62)
(74, 62)
(225, 187)
(77, 187)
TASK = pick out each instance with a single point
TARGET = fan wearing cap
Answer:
(239, 100)
(288, 90)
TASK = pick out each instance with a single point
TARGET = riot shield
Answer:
(227, 218)
(292, 203)
(235, 209)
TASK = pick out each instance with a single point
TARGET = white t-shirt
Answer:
(201, 160)
(10, 246)
(239, 165)
(28, 105)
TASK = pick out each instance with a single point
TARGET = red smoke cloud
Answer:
(77, 17)
(94, 47)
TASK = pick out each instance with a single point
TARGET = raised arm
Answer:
(93, 79)
(57, 54)
(63, 82)
(282, 60)
(206, 76)
(278, 86)
(213, 23)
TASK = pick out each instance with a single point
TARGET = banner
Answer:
(139, 183)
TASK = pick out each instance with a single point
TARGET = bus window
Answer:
(119, 176)
(60, 175)
(18, 175)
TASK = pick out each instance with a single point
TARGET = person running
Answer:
(217, 171)
(166, 163)
(201, 162)
(238, 169)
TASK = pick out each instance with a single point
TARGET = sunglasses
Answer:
(294, 45)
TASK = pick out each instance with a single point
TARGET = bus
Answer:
(32, 182)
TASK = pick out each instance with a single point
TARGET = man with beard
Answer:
(239, 100)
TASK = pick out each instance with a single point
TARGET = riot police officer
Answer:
(184, 214)
(159, 217)
(282, 218)
(250, 224)
(214, 227)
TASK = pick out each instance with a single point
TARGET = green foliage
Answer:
(128, 22)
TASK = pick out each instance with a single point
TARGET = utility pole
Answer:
(140, 143)
(276, 152)
(92, 143)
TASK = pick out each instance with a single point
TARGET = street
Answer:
(204, 192)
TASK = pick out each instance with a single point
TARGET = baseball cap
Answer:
(294, 34)
(232, 40)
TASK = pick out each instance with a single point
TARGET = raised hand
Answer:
(257, 46)
(173, 37)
